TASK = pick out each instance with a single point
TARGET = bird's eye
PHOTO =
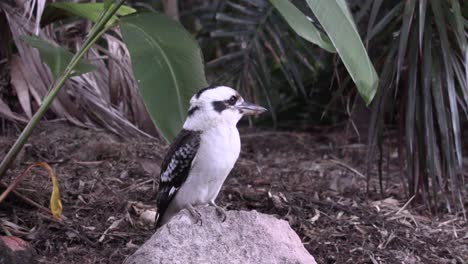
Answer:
(232, 100)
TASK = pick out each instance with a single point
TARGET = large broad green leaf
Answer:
(337, 21)
(57, 58)
(301, 25)
(90, 11)
(168, 67)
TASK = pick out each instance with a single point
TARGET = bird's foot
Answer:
(220, 211)
(195, 214)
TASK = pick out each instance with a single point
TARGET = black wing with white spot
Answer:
(176, 167)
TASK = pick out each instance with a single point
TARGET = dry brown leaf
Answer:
(20, 83)
(6, 112)
(106, 98)
(387, 203)
(33, 5)
(315, 217)
(115, 224)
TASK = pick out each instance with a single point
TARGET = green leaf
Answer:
(336, 19)
(430, 140)
(301, 25)
(107, 4)
(168, 66)
(422, 19)
(411, 108)
(345, 10)
(449, 75)
(90, 11)
(57, 58)
(382, 24)
(457, 23)
(373, 16)
(404, 35)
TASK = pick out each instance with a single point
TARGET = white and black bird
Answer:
(203, 153)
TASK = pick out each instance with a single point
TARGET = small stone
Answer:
(245, 237)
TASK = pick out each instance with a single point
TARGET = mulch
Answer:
(314, 180)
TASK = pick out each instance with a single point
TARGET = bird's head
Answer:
(218, 105)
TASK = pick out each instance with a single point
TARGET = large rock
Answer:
(245, 237)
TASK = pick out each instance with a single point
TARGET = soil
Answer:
(315, 182)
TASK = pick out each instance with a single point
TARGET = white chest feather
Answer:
(219, 149)
(216, 156)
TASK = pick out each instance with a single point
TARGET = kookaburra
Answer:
(203, 153)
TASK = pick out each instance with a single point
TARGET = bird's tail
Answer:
(158, 221)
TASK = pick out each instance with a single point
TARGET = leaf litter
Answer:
(108, 195)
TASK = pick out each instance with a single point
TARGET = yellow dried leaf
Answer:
(55, 202)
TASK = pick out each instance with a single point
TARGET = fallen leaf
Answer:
(21, 85)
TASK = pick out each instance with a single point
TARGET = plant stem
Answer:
(96, 31)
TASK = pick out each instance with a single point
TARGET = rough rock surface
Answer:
(245, 237)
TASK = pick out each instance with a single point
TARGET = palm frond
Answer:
(106, 98)
(427, 78)
(253, 42)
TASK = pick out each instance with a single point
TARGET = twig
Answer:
(405, 205)
(28, 200)
(335, 205)
(65, 223)
(132, 187)
(56, 206)
(5, 230)
(336, 161)
(15, 182)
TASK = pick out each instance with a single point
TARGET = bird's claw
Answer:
(195, 214)
(220, 212)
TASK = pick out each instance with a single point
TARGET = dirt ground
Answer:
(313, 181)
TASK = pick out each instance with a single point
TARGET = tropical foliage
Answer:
(424, 90)
(286, 54)
(179, 67)
(420, 52)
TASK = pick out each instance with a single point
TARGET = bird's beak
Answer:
(247, 108)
